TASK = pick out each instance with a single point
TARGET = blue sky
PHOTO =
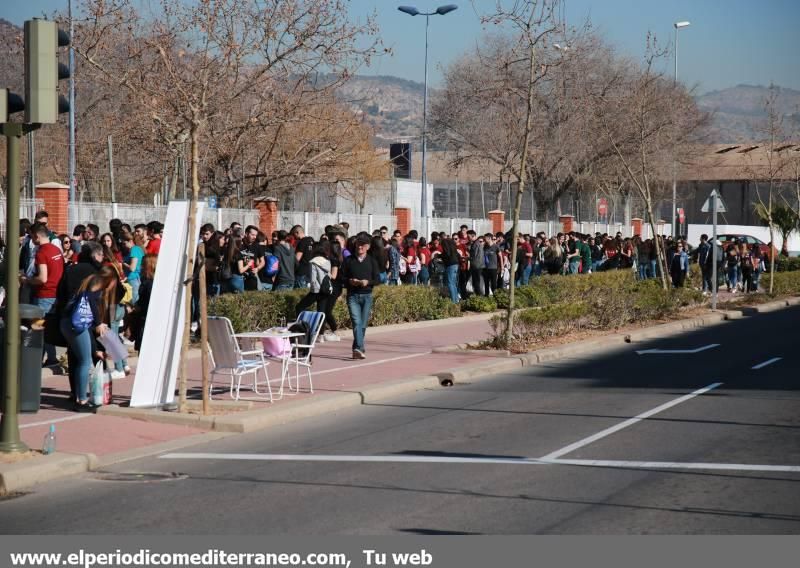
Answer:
(729, 41)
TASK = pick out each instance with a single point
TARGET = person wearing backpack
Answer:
(86, 316)
(320, 281)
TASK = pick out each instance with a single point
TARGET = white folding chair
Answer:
(229, 359)
(314, 320)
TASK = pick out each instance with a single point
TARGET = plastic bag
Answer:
(114, 347)
(469, 287)
(96, 378)
(276, 346)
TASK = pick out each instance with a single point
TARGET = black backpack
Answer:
(305, 339)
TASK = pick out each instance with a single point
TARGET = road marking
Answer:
(346, 458)
(629, 422)
(370, 363)
(56, 421)
(680, 465)
(765, 363)
(618, 464)
(677, 351)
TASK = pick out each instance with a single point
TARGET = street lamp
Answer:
(678, 25)
(412, 11)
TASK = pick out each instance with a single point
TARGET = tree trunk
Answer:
(509, 334)
(201, 259)
(660, 253)
(191, 252)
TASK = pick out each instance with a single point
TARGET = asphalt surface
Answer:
(551, 449)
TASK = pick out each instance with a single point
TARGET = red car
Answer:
(750, 240)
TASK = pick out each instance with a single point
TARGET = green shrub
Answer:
(786, 264)
(477, 303)
(391, 304)
(785, 283)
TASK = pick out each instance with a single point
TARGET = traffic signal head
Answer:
(43, 71)
(9, 104)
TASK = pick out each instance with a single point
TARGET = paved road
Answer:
(618, 442)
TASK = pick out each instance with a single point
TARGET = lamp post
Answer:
(678, 26)
(412, 11)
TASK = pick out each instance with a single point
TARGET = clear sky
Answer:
(729, 41)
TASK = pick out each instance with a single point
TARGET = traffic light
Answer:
(43, 104)
(9, 104)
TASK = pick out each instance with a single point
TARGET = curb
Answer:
(21, 475)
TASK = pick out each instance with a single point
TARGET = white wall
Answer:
(758, 232)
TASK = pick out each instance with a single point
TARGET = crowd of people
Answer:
(91, 283)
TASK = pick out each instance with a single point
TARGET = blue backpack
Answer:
(271, 265)
(81, 316)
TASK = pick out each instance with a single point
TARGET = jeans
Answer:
(707, 273)
(236, 284)
(596, 265)
(524, 275)
(383, 277)
(573, 266)
(733, 274)
(424, 276)
(489, 281)
(301, 281)
(266, 286)
(118, 365)
(47, 305)
(359, 306)
(135, 283)
(537, 269)
(476, 275)
(643, 270)
(653, 269)
(451, 277)
(280, 287)
(80, 359)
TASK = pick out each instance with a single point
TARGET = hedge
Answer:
(604, 301)
(392, 304)
(786, 264)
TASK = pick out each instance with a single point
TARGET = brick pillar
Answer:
(498, 218)
(636, 224)
(267, 215)
(56, 203)
(403, 216)
(566, 223)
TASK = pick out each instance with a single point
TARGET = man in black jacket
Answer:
(360, 273)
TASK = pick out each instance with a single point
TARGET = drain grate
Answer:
(138, 477)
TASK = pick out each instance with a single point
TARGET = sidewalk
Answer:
(393, 352)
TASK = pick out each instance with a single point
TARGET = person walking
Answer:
(361, 274)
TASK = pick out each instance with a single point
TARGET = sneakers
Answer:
(331, 336)
(116, 375)
(358, 354)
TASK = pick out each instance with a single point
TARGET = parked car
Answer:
(748, 239)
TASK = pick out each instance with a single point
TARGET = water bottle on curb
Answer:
(49, 443)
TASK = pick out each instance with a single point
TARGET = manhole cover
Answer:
(140, 477)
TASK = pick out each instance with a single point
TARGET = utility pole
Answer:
(31, 165)
(111, 177)
(71, 167)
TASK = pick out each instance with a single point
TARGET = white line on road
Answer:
(765, 363)
(346, 458)
(677, 351)
(626, 423)
(369, 364)
(680, 465)
(56, 421)
(619, 464)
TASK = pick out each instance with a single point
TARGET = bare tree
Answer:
(776, 168)
(643, 115)
(187, 64)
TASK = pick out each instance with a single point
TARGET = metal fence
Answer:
(101, 213)
(27, 210)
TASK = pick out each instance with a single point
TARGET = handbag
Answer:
(326, 286)
(80, 311)
(127, 297)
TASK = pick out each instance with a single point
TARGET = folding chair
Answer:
(229, 359)
(314, 320)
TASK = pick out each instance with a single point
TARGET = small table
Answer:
(273, 333)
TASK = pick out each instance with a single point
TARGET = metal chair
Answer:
(229, 359)
(314, 320)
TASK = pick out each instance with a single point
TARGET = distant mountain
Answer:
(392, 106)
(739, 114)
